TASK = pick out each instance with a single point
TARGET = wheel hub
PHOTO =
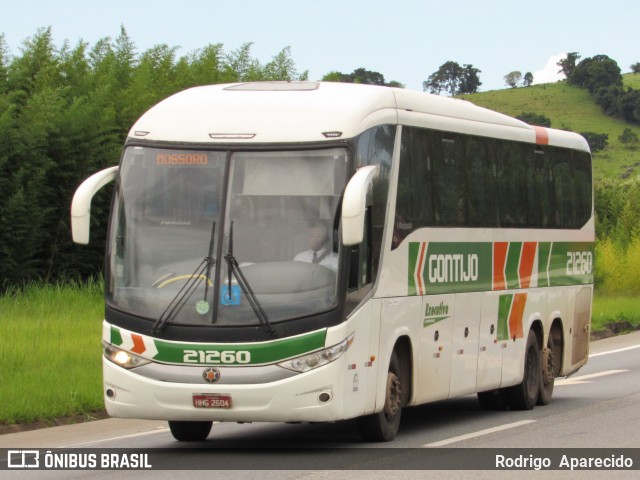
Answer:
(394, 395)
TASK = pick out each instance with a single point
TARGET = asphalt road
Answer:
(599, 407)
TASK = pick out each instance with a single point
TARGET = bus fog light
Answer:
(324, 397)
(318, 359)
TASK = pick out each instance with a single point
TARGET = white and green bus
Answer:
(300, 251)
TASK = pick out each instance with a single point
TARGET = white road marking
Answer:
(614, 351)
(133, 435)
(583, 378)
(480, 433)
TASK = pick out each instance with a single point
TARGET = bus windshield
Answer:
(176, 225)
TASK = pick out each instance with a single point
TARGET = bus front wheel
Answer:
(190, 431)
(525, 395)
(383, 426)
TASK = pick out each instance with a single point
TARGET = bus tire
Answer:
(525, 395)
(383, 426)
(190, 431)
(547, 373)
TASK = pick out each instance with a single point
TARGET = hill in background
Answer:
(572, 108)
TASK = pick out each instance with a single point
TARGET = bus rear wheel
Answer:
(547, 373)
(383, 426)
(190, 431)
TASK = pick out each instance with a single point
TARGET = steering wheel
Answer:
(169, 279)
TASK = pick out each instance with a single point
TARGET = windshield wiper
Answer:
(200, 274)
(234, 269)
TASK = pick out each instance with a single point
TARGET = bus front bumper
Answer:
(313, 396)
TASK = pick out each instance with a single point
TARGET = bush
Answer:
(596, 141)
(618, 267)
(534, 119)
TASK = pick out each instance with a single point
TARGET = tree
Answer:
(368, 77)
(629, 106)
(568, 64)
(334, 76)
(64, 114)
(608, 98)
(453, 79)
(635, 68)
(513, 78)
(470, 81)
(360, 75)
(4, 61)
(596, 72)
(528, 79)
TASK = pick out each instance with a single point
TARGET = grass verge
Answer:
(50, 343)
(610, 310)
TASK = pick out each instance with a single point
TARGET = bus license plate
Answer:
(211, 400)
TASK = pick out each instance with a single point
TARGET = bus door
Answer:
(466, 328)
(436, 342)
(492, 342)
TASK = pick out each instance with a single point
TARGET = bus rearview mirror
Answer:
(354, 205)
(81, 204)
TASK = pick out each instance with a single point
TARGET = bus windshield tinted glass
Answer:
(170, 215)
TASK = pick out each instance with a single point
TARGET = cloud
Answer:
(549, 73)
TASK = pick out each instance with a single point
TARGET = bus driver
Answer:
(320, 251)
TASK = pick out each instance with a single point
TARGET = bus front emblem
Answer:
(211, 375)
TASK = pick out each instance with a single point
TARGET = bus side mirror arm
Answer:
(81, 204)
(354, 205)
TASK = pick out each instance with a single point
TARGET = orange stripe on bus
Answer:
(515, 317)
(138, 344)
(542, 135)
(499, 260)
(421, 289)
(526, 263)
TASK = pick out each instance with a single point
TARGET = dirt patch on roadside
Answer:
(613, 329)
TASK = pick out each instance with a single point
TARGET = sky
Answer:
(405, 40)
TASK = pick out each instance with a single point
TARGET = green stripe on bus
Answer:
(414, 251)
(116, 337)
(248, 353)
(504, 308)
(513, 262)
(544, 252)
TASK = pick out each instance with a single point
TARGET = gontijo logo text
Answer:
(456, 267)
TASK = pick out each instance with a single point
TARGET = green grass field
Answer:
(50, 349)
(608, 310)
(631, 80)
(571, 108)
(50, 345)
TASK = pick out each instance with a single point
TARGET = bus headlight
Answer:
(123, 358)
(319, 358)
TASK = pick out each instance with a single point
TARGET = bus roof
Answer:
(291, 112)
